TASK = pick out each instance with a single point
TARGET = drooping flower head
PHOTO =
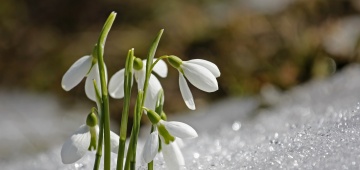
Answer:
(86, 66)
(201, 73)
(85, 139)
(167, 132)
(116, 83)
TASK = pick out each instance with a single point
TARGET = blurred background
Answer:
(260, 46)
(256, 43)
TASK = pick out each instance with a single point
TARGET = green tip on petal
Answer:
(93, 138)
(165, 134)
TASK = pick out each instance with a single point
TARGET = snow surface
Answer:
(313, 126)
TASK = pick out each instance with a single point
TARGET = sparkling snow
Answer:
(313, 126)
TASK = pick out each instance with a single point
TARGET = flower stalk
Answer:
(101, 125)
(149, 67)
(105, 104)
(125, 112)
(131, 156)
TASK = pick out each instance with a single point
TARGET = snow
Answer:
(313, 126)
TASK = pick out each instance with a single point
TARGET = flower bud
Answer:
(91, 119)
(174, 61)
(138, 64)
(153, 116)
(92, 123)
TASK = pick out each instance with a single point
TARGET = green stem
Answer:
(157, 60)
(131, 156)
(121, 153)
(151, 164)
(129, 152)
(105, 105)
(125, 112)
(101, 127)
(137, 119)
(100, 143)
(149, 63)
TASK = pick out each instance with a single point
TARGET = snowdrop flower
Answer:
(171, 151)
(167, 132)
(116, 84)
(86, 66)
(201, 73)
(85, 139)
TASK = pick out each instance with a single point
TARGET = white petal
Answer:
(116, 85)
(179, 129)
(200, 77)
(179, 142)
(151, 147)
(172, 155)
(150, 103)
(152, 92)
(76, 73)
(89, 85)
(186, 93)
(160, 68)
(76, 146)
(154, 86)
(114, 142)
(140, 78)
(208, 65)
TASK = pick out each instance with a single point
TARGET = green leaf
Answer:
(153, 50)
(106, 28)
(129, 72)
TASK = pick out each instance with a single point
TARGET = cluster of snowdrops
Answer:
(95, 134)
